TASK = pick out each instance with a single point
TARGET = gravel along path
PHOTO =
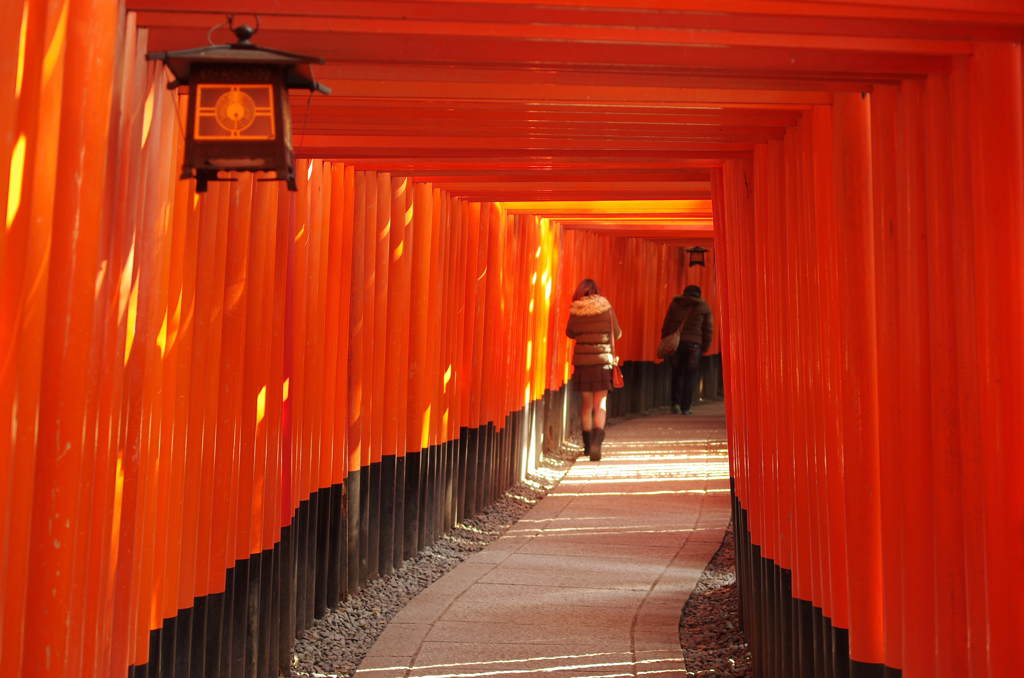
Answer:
(709, 630)
(334, 646)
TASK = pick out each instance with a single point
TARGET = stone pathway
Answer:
(591, 581)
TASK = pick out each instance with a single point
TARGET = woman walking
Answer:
(593, 325)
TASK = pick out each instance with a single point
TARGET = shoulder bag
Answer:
(669, 344)
(617, 379)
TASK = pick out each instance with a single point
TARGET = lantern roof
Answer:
(298, 74)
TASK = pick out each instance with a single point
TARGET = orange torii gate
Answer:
(225, 412)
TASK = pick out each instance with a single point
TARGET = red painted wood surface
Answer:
(180, 373)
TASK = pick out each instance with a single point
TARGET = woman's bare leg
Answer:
(587, 410)
(600, 404)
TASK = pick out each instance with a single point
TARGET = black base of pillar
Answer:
(789, 637)
(341, 536)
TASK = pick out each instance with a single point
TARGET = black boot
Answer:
(596, 438)
(586, 443)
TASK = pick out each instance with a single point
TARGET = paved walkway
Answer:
(592, 580)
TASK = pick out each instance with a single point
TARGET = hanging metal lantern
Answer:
(697, 255)
(238, 113)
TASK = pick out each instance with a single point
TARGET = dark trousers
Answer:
(685, 373)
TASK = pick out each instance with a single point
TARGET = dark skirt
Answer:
(592, 378)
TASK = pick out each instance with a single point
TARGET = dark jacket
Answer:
(698, 327)
(591, 320)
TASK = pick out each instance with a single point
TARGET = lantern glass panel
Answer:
(234, 112)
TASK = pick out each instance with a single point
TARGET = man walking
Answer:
(689, 315)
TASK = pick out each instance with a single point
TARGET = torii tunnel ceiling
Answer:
(606, 114)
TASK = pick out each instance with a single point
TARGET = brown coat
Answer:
(591, 320)
(698, 326)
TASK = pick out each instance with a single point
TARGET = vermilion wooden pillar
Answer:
(396, 352)
(885, 117)
(57, 585)
(851, 143)
(825, 278)
(997, 162)
(418, 414)
(356, 379)
(332, 471)
(948, 521)
(25, 251)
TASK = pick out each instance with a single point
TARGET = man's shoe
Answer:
(676, 409)
(688, 412)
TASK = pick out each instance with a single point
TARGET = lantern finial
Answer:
(244, 34)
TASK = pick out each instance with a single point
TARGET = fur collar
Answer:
(591, 305)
